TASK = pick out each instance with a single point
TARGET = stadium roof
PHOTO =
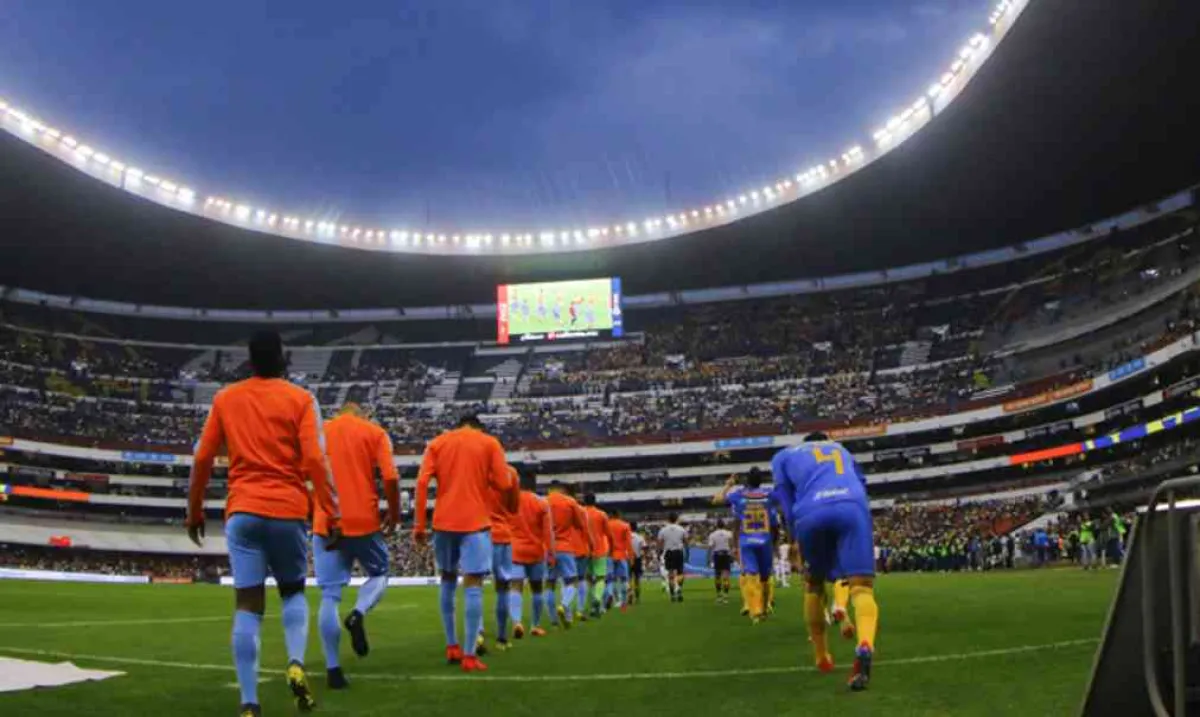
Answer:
(1082, 112)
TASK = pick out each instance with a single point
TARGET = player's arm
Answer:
(723, 494)
(385, 461)
(784, 492)
(427, 473)
(501, 477)
(315, 464)
(211, 440)
(585, 523)
(548, 532)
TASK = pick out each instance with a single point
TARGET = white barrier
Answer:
(54, 576)
(356, 582)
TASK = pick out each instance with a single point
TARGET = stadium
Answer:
(991, 302)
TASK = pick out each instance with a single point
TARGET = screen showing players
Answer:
(551, 311)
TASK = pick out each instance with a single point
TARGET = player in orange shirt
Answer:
(622, 551)
(358, 450)
(582, 545)
(502, 564)
(271, 430)
(467, 465)
(533, 550)
(570, 526)
(601, 547)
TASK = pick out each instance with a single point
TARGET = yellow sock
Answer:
(770, 586)
(742, 583)
(755, 591)
(841, 594)
(866, 613)
(814, 615)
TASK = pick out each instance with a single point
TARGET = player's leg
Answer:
(819, 551)
(501, 574)
(755, 595)
(333, 575)
(566, 569)
(475, 563)
(536, 574)
(287, 556)
(599, 580)
(856, 562)
(584, 566)
(372, 554)
(515, 598)
(248, 563)
(447, 549)
(841, 613)
(767, 573)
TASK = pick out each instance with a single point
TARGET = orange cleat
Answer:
(825, 664)
(454, 655)
(472, 663)
(518, 631)
(847, 630)
(537, 632)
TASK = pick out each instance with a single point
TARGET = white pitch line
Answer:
(105, 623)
(792, 669)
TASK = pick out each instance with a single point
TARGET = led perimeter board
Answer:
(552, 311)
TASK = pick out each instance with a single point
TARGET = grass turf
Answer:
(980, 644)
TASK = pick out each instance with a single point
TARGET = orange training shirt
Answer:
(466, 463)
(356, 448)
(622, 545)
(568, 519)
(271, 429)
(598, 527)
(532, 533)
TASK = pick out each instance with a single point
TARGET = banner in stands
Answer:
(1178, 389)
(652, 474)
(838, 434)
(171, 581)
(6, 440)
(1127, 369)
(1122, 409)
(1049, 429)
(33, 472)
(147, 457)
(974, 444)
(749, 442)
(94, 478)
(1041, 399)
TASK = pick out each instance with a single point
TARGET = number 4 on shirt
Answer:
(832, 456)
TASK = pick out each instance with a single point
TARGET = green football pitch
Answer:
(980, 644)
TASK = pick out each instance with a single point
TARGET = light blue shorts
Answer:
(534, 573)
(259, 545)
(565, 567)
(333, 566)
(466, 553)
(620, 569)
(502, 562)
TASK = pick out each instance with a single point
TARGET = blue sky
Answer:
(476, 114)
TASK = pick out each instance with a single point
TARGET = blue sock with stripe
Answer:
(473, 601)
(295, 626)
(446, 604)
(247, 627)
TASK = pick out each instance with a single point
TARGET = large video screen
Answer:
(552, 311)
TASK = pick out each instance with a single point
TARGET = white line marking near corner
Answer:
(703, 674)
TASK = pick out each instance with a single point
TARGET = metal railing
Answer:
(1175, 578)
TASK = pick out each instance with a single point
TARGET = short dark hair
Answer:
(720, 524)
(754, 478)
(266, 355)
(816, 436)
(633, 526)
(589, 499)
(470, 420)
(528, 479)
(673, 517)
(614, 513)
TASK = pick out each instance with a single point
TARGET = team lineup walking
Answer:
(572, 560)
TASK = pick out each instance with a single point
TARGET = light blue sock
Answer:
(581, 597)
(516, 611)
(623, 593)
(447, 606)
(295, 626)
(473, 602)
(550, 602)
(370, 594)
(539, 601)
(329, 625)
(568, 598)
(501, 616)
(246, 629)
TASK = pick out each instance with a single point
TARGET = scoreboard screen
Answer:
(557, 310)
